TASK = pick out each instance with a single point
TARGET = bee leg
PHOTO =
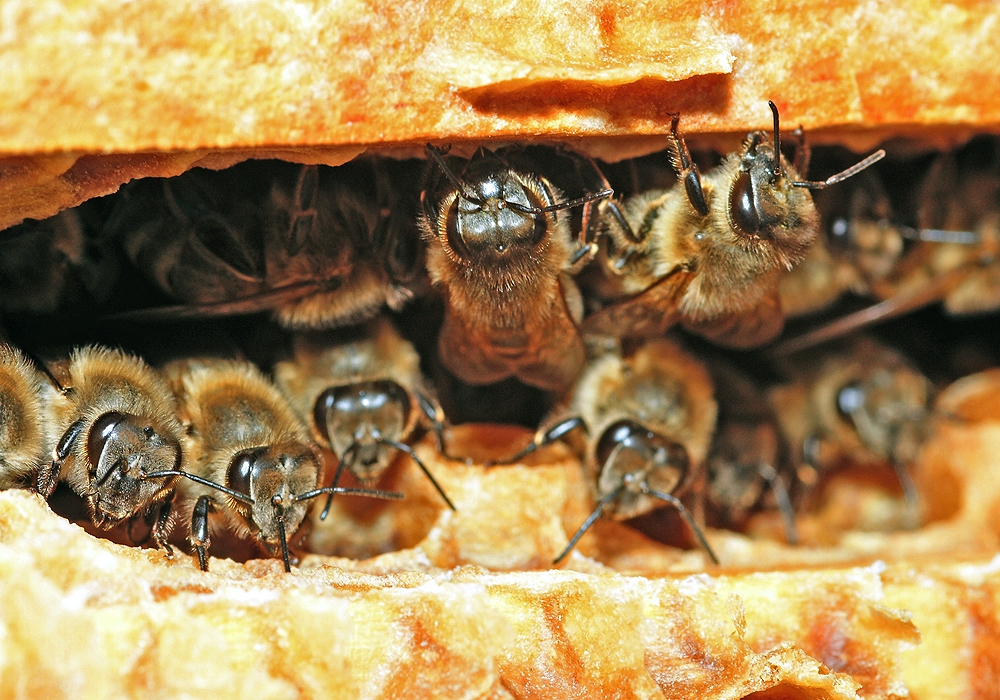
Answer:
(771, 476)
(686, 170)
(47, 476)
(199, 537)
(910, 494)
(161, 528)
(303, 216)
(544, 437)
(435, 414)
(610, 214)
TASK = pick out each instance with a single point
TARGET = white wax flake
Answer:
(78, 597)
(251, 596)
(976, 574)
(292, 72)
(695, 584)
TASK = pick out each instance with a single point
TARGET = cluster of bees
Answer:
(542, 275)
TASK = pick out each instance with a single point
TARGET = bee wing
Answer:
(645, 315)
(744, 330)
(550, 359)
(268, 300)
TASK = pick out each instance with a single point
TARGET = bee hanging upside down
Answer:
(319, 247)
(711, 249)
(650, 419)
(499, 244)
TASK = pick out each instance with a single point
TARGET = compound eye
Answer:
(850, 399)
(241, 471)
(742, 210)
(395, 395)
(618, 433)
(102, 431)
(453, 226)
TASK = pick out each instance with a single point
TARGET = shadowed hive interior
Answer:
(411, 598)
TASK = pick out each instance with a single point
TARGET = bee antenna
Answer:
(607, 192)
(413, 455)
(345, 458)
(241, 497)
(686, 515)
(591, 519)
(777, 140)
(437, 154)
(844, 174)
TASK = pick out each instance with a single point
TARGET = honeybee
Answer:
(949, 256)
(864, 405)
(362, 398)
(252, 466)
(747, 458)
(26, 434)
(60, 260)
(711, 249)
(118, 429)
(649, 419)
(499, 244)
(318, 246)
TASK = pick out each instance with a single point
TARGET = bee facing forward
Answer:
(253, 467)
(362, 398)
(863, 404)
(499, 244)
(650, 419)
(712, 248)
(26, 433)
(748, 457)
(118, 427)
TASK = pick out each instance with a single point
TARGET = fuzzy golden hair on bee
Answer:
(118, 426)
(322, 360)
(27, 435)
(709, 251)
(360, 297)
(499, 246)
(241, 429)
(660, 386)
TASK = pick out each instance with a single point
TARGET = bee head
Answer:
(361, 419)
(888, 409)
(635, 459)
(494, 213)
(121, 449)
(262, 473)
(765, 202)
